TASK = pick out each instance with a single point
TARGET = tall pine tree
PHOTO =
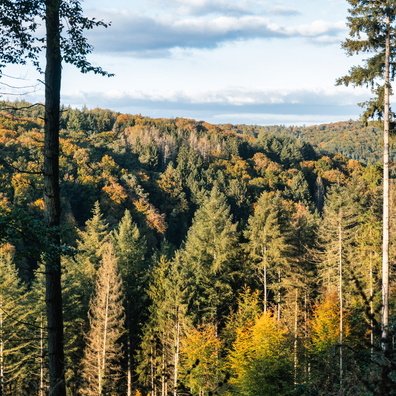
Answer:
(103, 351)
(372, 30)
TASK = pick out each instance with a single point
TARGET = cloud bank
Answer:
(204, 24)
(231, 105)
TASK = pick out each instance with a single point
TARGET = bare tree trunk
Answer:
(295, 352)
(1, 352)
(52, 200)
(279, 296)
(177, 354)
(371, 306)
(129, 357)
(385, 218)
(341, 338)
(42, 353)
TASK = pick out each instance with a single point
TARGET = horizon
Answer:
(239, 62)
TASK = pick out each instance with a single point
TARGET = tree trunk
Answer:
(295, 346)
(176, 354)
(56, 363)
(1, 352)
(385, 220)
(340, 296)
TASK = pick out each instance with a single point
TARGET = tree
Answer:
(336, 236)
(103, 350)
(20, 41)
(165, 327)
(131, 247)
(15, 333)
(372, 30)
(201, 365)
(209, 252)
(260, 359)
(266, 243)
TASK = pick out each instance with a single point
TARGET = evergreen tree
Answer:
(209, 252)
(16, 357)
(165, 328)
(130, 248)
(266, 245)
(103, 351)
(372, 30)
(337, 236)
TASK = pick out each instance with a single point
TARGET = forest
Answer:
(197, 259)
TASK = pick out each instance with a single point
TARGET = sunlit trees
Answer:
(372, 30)
(103, 352)
(16, 346)
(267, 245)
(260, 360)
(165, 328)
(200, 360)
(21, 41)
(208, 254)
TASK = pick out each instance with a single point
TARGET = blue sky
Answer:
(237, 61)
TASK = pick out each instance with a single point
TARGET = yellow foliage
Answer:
(200, 363)
(116, 192)
(333, 176)
(68, 148)
(326, 323)
(38, 203)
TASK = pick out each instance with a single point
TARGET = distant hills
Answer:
(350, 138)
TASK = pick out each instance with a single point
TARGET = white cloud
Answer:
(146, 36)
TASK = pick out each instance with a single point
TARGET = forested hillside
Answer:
(353, 139)
(198, 259)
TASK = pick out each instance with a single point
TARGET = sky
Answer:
(221, 61)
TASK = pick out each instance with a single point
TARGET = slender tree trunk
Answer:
(385, 219)
(1, 352)
(42, 365)
(279, 296)
(177, 354)
(341, 339)
(52, 200)
(371, 306)
(295, 352)
(129, 352)
(104, 341)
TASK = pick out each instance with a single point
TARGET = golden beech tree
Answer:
(200, 361)
(260, 360)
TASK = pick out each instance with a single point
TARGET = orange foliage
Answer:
(116, 192)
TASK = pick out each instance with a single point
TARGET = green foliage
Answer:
(195, 213)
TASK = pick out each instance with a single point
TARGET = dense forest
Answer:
(354, 139)
(198, 259)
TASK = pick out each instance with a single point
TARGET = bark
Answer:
(385, 220)
(52, 200)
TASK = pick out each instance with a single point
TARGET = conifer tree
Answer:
(90, 246)
(103, 350)
(164, 330)
(16, 356)
(266, 243)
(130, 248)
(209, 252)
(336, 235)
(372, 30)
